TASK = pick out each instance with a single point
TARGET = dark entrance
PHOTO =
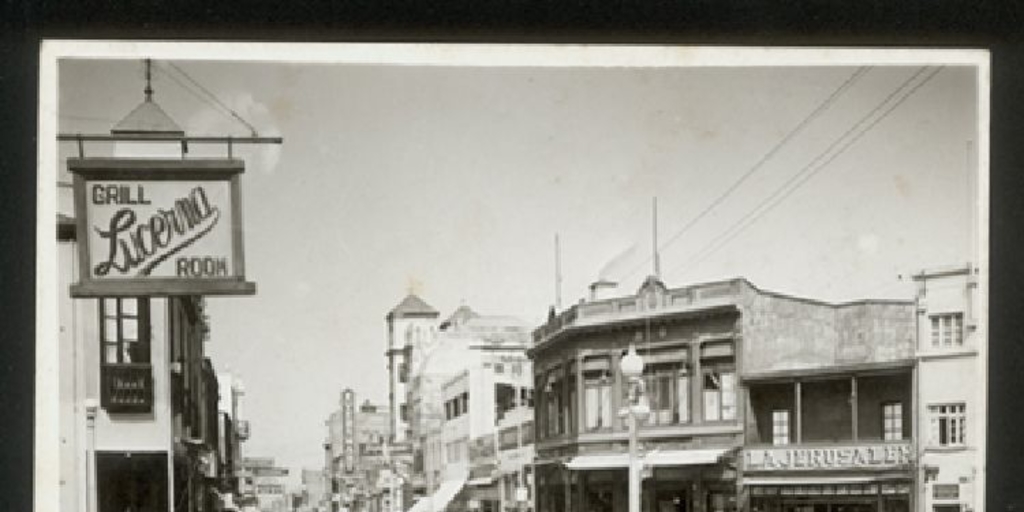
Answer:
(131, 481)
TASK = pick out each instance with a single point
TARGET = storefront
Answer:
(697, 480)
(852, 478)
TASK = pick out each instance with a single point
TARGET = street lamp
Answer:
(632, 367)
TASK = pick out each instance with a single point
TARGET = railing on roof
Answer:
(691, 296)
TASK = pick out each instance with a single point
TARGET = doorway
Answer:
(131, 481)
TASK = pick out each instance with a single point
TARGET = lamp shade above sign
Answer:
(159, 227)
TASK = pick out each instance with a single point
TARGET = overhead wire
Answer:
(209, 98)
(814, 114)
(814, 167)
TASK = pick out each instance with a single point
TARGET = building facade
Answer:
(357, 458)
(453, 441)
(411, 331)
(951, 382)
(143, 421)
(829, 405)
(727, 367)
(267, 484)
(516, 452)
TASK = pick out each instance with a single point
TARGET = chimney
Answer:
(602, 289)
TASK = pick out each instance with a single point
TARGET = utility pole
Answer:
(654, 238)
(558, 275)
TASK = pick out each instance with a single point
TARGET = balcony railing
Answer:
(695, 296)
(127, 388)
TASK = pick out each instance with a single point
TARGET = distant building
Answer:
(951, 380)
(314, 490)
(267, 482)
(356, 457)
(412, 326)
(234, 430)
(482, 352)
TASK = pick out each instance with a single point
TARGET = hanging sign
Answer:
(348, 404)
(159, 227)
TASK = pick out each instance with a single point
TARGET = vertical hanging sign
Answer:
(348, 418)
(159, 227)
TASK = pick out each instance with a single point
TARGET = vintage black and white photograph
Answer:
(497, 278)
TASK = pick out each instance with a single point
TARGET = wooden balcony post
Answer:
(798, 415)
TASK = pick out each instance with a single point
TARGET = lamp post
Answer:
(632, 367)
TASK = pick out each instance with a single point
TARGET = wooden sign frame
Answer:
(137, 170)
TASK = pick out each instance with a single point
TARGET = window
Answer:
(126, 376)
(668, 393)
(721, 501)
(499, 368)
(597, 394)
(124, 330)
(892, 421)
(571, 406)
(553, 403)
(948, 422)
(780, 427)
(719, 380)
(947, 330)
(526, 397)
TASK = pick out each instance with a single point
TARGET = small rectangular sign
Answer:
(269, 471)
(159, 227)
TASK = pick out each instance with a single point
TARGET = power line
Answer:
(814, 114)
(809, 171)
(188, 89)
(214, 98)
(211, 98)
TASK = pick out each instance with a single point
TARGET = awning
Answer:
(657, 458)
(477, 482)
(615, 461)
(697, 457)
(441, 498)
(823, 480)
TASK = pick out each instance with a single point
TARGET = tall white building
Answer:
(482, 353)
(951, 408)
(412, 330)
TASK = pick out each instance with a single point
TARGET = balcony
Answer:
(127, 388)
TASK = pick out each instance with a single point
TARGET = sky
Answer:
(454, 181)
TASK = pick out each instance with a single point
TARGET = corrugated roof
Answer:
(412, 305)
(148, 117)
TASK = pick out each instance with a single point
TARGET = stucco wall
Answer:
(784, 333)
